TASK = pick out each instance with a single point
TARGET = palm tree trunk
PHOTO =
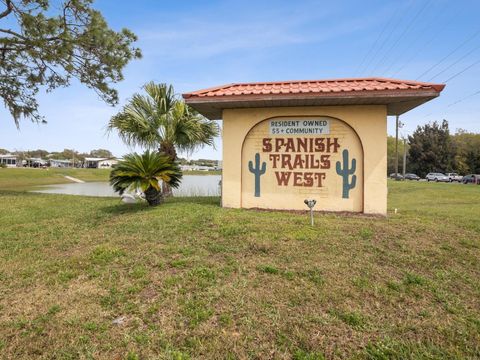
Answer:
(153, 196)
(168, 149)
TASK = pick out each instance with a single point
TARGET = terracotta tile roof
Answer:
(311, 87)
(399, 96)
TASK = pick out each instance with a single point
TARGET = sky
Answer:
(199, 44)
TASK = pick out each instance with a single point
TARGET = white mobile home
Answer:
(9, 160)
(60, 163)
(99, 163)
(35, 162)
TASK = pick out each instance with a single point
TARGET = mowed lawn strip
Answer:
(84, 277)
(20, 179)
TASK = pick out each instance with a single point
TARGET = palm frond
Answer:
(144, 170)
(159, 119)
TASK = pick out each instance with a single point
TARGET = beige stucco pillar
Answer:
(368, 121)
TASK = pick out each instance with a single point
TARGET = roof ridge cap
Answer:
(437, 87)
(213, 88)
(403, 81)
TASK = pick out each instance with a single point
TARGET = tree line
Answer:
(432, 148)
(66, 154)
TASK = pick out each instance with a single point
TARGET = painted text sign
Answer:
(300, 161)
(289, 127)
(288, 159)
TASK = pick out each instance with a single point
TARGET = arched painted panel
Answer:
(288, 159)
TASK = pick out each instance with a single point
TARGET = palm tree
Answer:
(143, 172)
(159, 119)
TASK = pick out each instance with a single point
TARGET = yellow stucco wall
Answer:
(357, 127)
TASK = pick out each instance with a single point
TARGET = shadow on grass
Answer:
(122, 208)
(20, 192)
(199, 200)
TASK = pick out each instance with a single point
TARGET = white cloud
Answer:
(191, 37)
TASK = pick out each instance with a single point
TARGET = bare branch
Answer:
(8, 10)
(7, 31)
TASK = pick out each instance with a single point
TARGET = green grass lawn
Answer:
(26, 178)
(84, 278)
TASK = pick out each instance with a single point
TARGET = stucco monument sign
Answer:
(324, 140)
(291, 159)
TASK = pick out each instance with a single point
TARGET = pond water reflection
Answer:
(192, 185)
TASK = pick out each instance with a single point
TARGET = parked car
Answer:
(471, 179)
(437, 177)
(454, 177)
(412, 177)
(396, 176)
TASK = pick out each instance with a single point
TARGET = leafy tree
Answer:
(182, 161)
(159, 119)
(39, 153)
(467, 147)
(47, 43)
(391, 155)
(68, 154)
(101, 153)
(472, 160)
(4, 152)
(80, 156)
(144, 172)
(431, 149)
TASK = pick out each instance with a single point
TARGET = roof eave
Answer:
(397, 102)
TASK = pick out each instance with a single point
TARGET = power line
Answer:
(415, 42)
(387, 38)
(428, 43)
(371, 49)
(453, 64)
(463, 99)
(450, 53)
(413, 55)
(407, 28)
(375, 43)
(462, 71)
(457, 101)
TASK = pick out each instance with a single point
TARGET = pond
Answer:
(192, 185)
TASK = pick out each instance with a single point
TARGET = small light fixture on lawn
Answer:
(310, 203)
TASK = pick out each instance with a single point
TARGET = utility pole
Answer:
(396, 146)
(404, 157)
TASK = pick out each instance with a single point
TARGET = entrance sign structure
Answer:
(284, 142)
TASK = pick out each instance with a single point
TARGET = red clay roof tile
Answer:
(313, 86)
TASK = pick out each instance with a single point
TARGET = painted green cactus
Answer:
(257, 171)
(346, 172)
